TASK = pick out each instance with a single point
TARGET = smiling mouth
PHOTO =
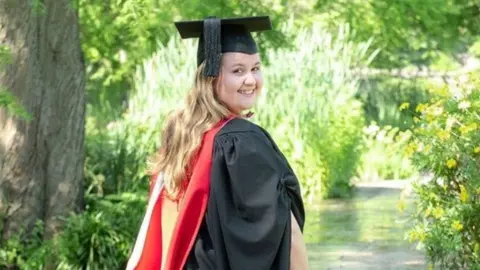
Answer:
(246, 92)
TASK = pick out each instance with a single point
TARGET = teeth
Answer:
(249, 92)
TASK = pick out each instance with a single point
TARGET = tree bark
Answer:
(41, 161)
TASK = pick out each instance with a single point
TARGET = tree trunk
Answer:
(41, 161)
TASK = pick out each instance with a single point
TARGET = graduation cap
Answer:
(218, 36)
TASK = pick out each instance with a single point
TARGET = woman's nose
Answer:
(250, 79)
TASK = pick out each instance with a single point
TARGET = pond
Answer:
(365, 232)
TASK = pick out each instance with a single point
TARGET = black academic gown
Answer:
(253, 189)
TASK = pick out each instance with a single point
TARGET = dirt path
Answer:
(366, 232)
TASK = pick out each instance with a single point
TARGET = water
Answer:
(366, 232)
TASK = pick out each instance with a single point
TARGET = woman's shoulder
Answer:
(240, 125)
(243, 128)
(245, 134)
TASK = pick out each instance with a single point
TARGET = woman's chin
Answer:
(246, 109)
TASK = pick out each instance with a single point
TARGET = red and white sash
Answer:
(147, 252)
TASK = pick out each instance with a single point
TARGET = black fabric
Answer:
(212, 36)
(235, 36)
(253, 190)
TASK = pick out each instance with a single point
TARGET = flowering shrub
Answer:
(446, 142)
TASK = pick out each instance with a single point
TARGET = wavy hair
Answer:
(183, 132)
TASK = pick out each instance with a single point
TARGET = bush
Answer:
(102, 237)
(447, 143)
(341, 149)
(20, 252)
(381, 159)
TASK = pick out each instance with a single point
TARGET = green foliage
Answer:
(475, 48)
(24, 253)
(7, 100)
(381, 159)
(409, 31)
(38, 7)
(116, 157)
(447, 143)
(383, 96)
(5, 55)
(116, 36)
(100, 238)
(340, 148)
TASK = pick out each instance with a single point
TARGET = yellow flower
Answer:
(417, 234)
(422, 235)
(421, 107)
(468, 128)
(463, 194)
(430, 118)
(476, 150)
(412, 236)
(457, 225)
(416, 119)
(442, 92)
(438, 212)
(451, 163)
(411, 149)
(404, 106)
(443, 135)
(428, 212)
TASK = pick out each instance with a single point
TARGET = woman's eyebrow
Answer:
(237, 64)
(242, 65)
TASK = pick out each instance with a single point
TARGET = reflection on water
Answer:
(366, 232)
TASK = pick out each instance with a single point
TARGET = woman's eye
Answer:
(256, 68)
(237, 71)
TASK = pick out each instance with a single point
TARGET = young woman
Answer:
(223, 196)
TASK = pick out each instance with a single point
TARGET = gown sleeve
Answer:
(253, 191)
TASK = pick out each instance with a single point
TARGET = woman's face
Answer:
(240, 81)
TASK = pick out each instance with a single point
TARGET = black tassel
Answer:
(212, 46)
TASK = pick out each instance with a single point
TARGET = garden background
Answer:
(357, 94)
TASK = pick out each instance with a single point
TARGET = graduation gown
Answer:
(252, 191)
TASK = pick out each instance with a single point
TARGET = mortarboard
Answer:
(218, 36)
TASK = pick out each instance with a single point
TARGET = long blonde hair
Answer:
(183, 132)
